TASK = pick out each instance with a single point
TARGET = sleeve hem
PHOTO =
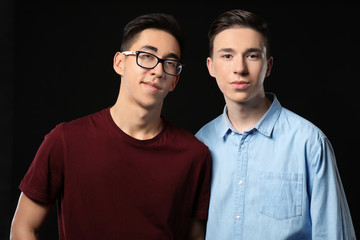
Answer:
(34, 194)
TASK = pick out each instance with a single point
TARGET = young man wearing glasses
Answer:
(274, 173)
(124, 172)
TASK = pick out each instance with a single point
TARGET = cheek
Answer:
(262, 72)
(132, 68)
(220, 70)
(220, 73)
(221, 82)
(258, 71)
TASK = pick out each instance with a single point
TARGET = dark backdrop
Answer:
(56, 65)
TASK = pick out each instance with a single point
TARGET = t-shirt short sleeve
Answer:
(43, 181)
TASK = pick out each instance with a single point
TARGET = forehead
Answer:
(239, 38)
(163, 41)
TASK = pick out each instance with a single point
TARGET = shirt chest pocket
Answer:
(281, 194)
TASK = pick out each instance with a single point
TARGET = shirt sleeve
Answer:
(330, 214)
(43, 181)
(202, 205)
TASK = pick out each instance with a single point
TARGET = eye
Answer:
(227, 56)
(170, 63)
(148, 56)
(253, 56)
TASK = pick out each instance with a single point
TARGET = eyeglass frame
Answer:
(159, 60)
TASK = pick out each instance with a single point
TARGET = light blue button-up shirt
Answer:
(278, 180)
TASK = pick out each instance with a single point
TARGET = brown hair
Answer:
(239, 18)
(159, 21)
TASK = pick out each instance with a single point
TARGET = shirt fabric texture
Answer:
(278, 180)
(109, 185)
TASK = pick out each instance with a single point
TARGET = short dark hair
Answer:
(239, 18)
(159, 21)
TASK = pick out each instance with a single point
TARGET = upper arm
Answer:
(28, 219)
(197, 229)
(330, 214)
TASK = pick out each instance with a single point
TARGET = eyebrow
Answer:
(155, 49)
(150, 48)
(227, 50)
(172, 55)
(231, 50)
(258, 50)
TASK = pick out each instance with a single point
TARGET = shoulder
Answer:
(295, 128)
(299, 123)
(183, 138)
(87, 122)
(85, 125)
(210, 130)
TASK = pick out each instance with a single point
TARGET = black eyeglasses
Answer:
(150, 61)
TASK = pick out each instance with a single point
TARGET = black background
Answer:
(56, 65)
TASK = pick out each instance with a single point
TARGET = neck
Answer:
(245, 115)
(136, 121)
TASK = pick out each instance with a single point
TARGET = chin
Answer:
(150, 104)
(239, 97)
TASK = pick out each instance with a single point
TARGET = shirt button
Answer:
(237, 218)
(241, 182)
(232, 133)
(242, 147)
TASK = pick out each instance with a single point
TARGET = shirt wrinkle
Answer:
(266, 186)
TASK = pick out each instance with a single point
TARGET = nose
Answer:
(158, 70)
(240, 66)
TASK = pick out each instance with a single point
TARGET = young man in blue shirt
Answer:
(274, 173)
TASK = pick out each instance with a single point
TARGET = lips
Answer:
(240, 85)
(152, 85)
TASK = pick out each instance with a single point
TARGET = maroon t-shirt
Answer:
(109, 185)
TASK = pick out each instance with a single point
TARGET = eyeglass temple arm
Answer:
(128, 52)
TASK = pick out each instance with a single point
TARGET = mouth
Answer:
(240, 85)
(151, 86)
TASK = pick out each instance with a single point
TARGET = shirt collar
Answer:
(265, 125)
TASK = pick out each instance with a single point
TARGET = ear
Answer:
(269, 66)
(174, 83)
(119, 63)
(209, 64)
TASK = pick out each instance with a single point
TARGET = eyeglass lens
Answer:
(148, 60)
